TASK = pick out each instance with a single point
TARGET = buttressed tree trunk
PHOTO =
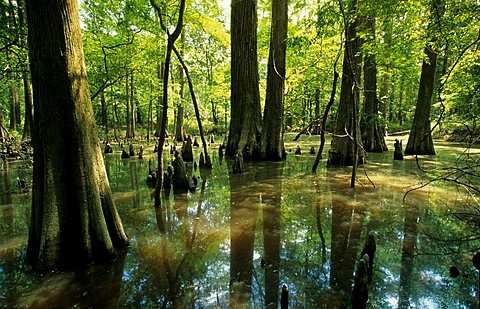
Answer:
(272, 146)
(342, 149)
(73, 218)
(420, 141)
(246, 118)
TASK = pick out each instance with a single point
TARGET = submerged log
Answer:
(398, 152)
(398, 133)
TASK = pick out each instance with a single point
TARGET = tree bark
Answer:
(373, 139)
(272, 146)
(246, 119)
(342, 149)
(420, 141)
(73, 218)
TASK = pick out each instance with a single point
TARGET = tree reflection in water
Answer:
(305, 230)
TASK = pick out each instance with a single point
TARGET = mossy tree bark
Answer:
(342, 151)
(272, 146)
(246, 119)
(73, 218)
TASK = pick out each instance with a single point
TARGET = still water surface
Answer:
(239, 238)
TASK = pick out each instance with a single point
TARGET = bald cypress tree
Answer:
(73, 218)
(246, 118)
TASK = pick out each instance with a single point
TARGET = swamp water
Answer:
(275, 224)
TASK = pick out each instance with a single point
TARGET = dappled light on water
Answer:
(239, 238)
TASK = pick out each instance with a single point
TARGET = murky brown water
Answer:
(238, 239)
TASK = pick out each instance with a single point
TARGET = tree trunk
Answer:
(179, 132)
(385, 80)
(272, 146)
(128, 133)
(325, 117)
(208, 162)
(342, 148)
(3, 131)
(104, 113)
(150, 116)
(373, 139)
(214, 112)
(14, 102)
(73, 218)
(161, 70)
(163, 127)
(246, 119)
(420, 141)
(132, 105)
(28, 123)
